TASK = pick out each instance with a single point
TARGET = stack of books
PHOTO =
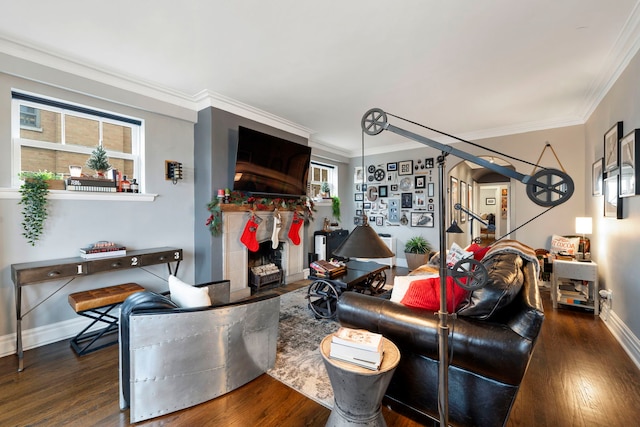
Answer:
(360, 347)
(92, 184)
(328, 269)
(103, 249)
(573, 292)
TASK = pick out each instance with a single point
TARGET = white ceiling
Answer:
(470, 68)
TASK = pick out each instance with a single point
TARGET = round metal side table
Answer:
(358, 391)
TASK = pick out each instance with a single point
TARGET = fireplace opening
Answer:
(265, 266)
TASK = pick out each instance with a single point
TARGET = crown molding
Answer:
(65, 63)
(624, 49)
(207, 98)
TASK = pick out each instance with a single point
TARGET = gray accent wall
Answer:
(216, 140)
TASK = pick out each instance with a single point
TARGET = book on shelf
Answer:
(575, 301)
(99, 185)
(358, 338)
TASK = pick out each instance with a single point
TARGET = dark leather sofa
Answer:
(489, 351)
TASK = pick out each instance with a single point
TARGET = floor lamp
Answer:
(547, 187)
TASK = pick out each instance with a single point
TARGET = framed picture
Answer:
(405, 167)
(422, 219)
(359, 212)
(463, 201)
(421, 202)
(392, 167)
(358, 197)
(612, 202)
(490, 201)
(431, 207)
(420, 181)
(428, 163)
(454, 195)
(382, 191)
(430, 189)
(366, 205)
(629, 146)
(611, 145)
(379, 220)
(394, 187)
(358, 175)
(596, 177)
(406, 200)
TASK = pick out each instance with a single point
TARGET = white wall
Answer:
(167, 221)
(615, 244)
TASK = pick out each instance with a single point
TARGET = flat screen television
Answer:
(266, 164)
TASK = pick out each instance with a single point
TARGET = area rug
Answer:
(299, 363)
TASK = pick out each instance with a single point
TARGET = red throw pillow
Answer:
(425, 293)
(478, 251)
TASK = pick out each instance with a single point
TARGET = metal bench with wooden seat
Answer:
(96, 304)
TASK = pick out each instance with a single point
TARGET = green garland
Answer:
(239, 198)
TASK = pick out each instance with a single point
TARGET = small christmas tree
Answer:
(98, 161)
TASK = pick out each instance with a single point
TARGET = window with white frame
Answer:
(322, 177)
(51, 135)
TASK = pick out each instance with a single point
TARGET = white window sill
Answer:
(13, 193)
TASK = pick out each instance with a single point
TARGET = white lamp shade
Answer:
(584, 225)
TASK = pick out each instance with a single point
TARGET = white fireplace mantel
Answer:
(235, 253)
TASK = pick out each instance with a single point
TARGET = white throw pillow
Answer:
(568, 245)
(187, 296)
(401, 285)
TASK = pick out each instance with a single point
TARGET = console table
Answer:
(32, 273)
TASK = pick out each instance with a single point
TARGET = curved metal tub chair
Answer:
(173, 358)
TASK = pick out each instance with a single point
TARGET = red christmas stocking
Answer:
(294, 231)
(248, 237)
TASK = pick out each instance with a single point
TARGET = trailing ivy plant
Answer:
(34, 193)
(335, 207)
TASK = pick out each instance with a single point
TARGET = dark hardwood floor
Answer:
(579, 376)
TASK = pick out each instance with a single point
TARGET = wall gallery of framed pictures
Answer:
(396, 193)
(615, 175)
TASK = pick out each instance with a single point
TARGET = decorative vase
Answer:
(416, 260)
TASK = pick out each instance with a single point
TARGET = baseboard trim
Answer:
(629, 342)
(48, 334)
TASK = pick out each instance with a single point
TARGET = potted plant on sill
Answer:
(416, 251)
(34, 191)
(98, 161)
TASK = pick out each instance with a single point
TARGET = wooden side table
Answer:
(358, 391)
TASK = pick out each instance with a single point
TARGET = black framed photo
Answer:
(420, 181)
(428, 163)
(629, 146)
(392, 167)
(406, 200)
(611, 145)
(359, 212)
(454, 197)
(612, 202)
(596, 177)
(405, 167)
(490, 201)
(366, 205)
(394, 187)
(382, 191)
(358, 197)
(422, 219)
(431, 207)
(379, 220)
